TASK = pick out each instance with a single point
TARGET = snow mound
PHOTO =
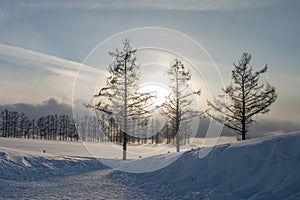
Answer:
(19, 166)
(264, 168)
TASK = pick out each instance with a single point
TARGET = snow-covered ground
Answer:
(265, 168)
(99, 150)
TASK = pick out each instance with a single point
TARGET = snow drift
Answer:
(265, 168)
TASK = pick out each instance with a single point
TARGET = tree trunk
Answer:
(125, 146)
(177, 115)
(125, 112)
(244, 132)
(243, 112)
(177, 142)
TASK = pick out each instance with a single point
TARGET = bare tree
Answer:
(5, 123)
(120, 98)
(14, 124)
(246, 98)
(25, 125)
(177, 107)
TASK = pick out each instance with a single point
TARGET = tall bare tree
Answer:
(177, 107)
(120, 98)
(246, 98)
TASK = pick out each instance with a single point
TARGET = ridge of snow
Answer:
(263, 168)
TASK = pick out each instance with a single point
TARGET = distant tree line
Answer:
(104, 129)
(16, 124)
(51, 127)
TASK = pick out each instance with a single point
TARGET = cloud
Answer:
(30, 76)
(182, 5)
(50, 106)
(271, 127)
(40, 61)
(263, 127)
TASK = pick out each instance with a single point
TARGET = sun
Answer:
(161, 92)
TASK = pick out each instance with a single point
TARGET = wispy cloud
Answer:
(40, 61)
(185, 5)
(30, 76)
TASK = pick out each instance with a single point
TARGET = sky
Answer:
(44, 43)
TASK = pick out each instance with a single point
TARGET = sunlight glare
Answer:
(161, 92)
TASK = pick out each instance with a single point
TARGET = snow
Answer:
(263, 168)
(88, 149)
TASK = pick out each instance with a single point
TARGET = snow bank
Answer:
(265, 168)
(19, 166)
